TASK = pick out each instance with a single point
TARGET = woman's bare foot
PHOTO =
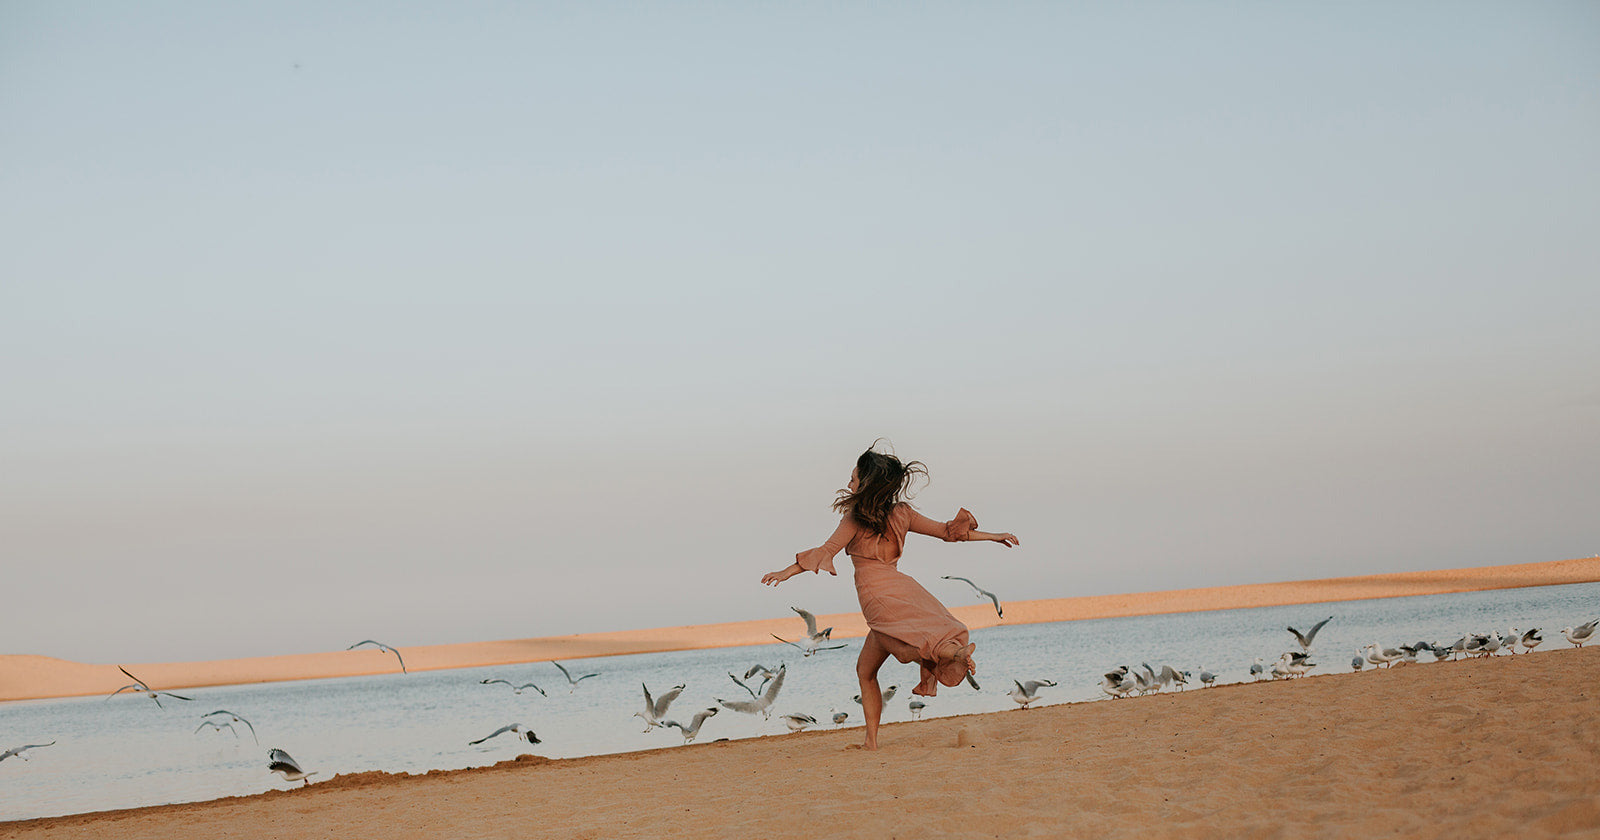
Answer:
(954, 650)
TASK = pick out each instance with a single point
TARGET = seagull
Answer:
(284, 765)
(574, 682)
(1358, 662)
(18, 751)
(916, 707)
(515, 689)
(1207, 678)
(382, 646)
(1256, 668)
(1028, 692)
(1532, 639)
(234, 718)
(798, 721)
(515, 727)
(765, 673)
(693, 728)
(1116, 683)
(982, 593)
(888, 694)
(139, 685)
(840, 717)
(1379, 655)
(741, 683)
(758, 706)
(814, 637)
(1305, 638)
(1580, 634)
(1296, 663)
(217, 726)
(655, 709)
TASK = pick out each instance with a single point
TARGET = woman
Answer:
(904, 620)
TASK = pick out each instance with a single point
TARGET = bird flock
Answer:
(761, 686)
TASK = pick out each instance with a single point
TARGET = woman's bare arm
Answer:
(1007, 540)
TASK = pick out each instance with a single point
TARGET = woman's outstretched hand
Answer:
(1008, 540)
(775, 578)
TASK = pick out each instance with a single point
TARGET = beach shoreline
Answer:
(32, 677)
(1495, 747)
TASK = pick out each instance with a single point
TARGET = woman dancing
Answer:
(904, 620)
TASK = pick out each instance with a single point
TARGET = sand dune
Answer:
(28, 677)
(1492, 748)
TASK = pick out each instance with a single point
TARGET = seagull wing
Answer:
(563, 672)
(746, 706)
(279, 760)
(666, 699)
(811, 621)
(399, 657)
(785, 641)
(511, 728)
(178, 696)
(771, 694)
(741, 684)
(758, 668)
(999, 613)
(493, 681)
(1312, 634)
(536, 688)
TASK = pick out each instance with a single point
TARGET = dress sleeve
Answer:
(955, 530)
(821, 557)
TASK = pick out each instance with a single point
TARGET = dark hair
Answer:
(881, 483)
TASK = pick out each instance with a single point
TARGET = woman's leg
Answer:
(873, 655)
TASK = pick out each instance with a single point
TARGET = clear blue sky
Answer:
(451, 322)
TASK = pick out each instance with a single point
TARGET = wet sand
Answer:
(1501, 747)
(29, 677)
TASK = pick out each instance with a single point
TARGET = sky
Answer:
(441, 323)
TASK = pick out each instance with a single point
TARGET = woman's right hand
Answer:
(775, 578)
(1008, 540)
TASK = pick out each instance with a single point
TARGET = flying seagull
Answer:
(139, 685)
(284, 765)
(814, 637)
(234, 718)
(656, 708)
(693, 729)
(228, 724)
(765, 673)
(515, 727)
(1305, 639)
(761, 705)
(516, 689)
(570, 680)
(982, 593)
(18, 751)
(382, 646)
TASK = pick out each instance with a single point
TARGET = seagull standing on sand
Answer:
(1257, 669)
(1117, 684)
(139, 685)
(1380, 655)
(1358, 662)
(18, 751)
(757, 706)
(518, 728)
(814, 637)
(693, 729)
(1027, 692)
(982, 593)
(1532, 639)
(1207, 678)
(656, 709)
(840, 717)
(515, 689)
(284, 765)
(570, 679)
(916, 707)
(1576, 635)
(798, 721)
(382, 646)
(1305, 639)
(234, 718)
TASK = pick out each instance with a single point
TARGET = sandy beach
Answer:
(1501, 747)
(24, 677)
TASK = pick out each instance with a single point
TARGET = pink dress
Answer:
(892, 603)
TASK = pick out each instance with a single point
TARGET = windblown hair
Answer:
(881, 483)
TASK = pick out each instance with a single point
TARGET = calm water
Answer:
(125, 752)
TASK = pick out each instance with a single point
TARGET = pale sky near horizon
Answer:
(439, 323)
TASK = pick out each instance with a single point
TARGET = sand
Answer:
(25, 677)
(1491, 748)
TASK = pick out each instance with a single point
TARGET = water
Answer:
(125, 752)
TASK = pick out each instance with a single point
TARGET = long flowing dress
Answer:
(892, 603)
